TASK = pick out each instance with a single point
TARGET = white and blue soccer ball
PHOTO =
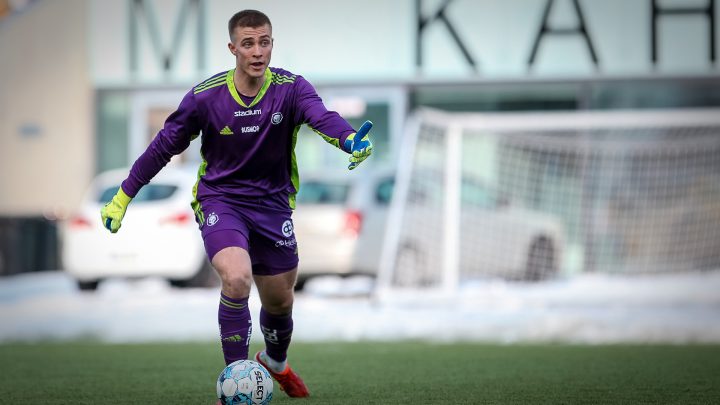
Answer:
(245, 382)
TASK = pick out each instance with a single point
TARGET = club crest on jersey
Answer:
(277, 118)
(212, 219)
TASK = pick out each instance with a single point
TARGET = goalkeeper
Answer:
(243, 200)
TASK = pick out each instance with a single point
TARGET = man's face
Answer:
(252, 48)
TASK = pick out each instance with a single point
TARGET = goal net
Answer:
(530, 196)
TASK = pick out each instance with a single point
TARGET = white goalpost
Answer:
(534, 196)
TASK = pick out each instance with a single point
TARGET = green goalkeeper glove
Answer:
(359, 145)
(114, 211)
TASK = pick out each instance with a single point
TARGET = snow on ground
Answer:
(583, 309)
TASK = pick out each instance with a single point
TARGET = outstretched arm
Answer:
(180, 128)
(330, 125)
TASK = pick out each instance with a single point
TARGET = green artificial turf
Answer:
(369, 373)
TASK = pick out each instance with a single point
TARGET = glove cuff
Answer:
(123, 198)
(347, 146)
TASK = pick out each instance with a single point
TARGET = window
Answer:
(383, 193)
(316, 192)
(150, 192)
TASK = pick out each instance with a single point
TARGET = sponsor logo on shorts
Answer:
(287, 228)
(277, 118)
(212, 219)
(286, 242)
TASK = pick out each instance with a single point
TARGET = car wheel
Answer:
(91, 285)
(541, 260)
(205, 277)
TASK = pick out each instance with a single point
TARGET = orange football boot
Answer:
(289, 382)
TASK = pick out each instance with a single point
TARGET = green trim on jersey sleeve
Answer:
(294, 172)
(210, 83)
(279, 79)
(230, 80)
(332, 141)
(195, 204)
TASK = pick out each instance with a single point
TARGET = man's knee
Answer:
(239, 282)
(277, 292)
(233, 266)
(279, 305)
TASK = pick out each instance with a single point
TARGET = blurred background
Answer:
(543, 169)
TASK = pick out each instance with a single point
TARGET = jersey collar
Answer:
(230, 79)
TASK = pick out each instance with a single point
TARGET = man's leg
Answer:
(233, 266)
(277, 297)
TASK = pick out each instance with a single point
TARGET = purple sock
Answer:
(235, 327)
(277, 331)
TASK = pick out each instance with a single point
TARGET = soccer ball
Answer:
(245, 382)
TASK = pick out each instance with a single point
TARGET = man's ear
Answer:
(232, 48)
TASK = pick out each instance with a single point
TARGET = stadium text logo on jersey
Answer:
(248, 112)
(287, 228)
(212, 219)
(277, 118)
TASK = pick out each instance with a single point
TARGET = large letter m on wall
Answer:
(166, 57)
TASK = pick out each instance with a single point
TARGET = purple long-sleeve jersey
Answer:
(247, 145)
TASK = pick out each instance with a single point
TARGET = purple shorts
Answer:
(262, 226)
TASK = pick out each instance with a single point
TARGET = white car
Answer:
(497, 238)
(159, 235)
(340, 223)
(338, 217)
